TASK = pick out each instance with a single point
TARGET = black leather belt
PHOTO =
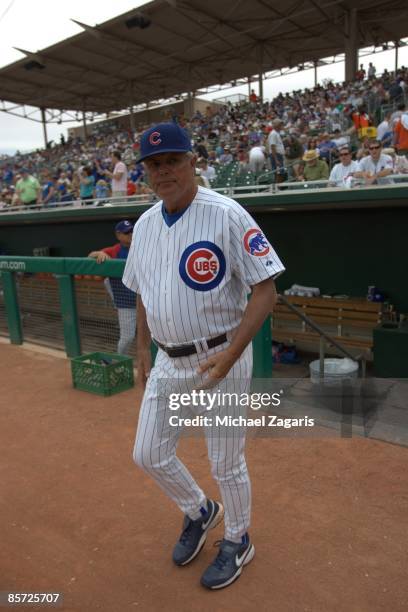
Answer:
(184, 350)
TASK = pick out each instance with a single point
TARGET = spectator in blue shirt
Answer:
(48, 189)
(8, 176)
(326, 147)
(136, 173)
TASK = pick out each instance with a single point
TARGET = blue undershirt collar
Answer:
(171, 218)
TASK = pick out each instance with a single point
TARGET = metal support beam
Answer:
(396, 55)
(315, 73)
(190, 104)
(260, 52)
(84, 124)
(131, 118)
(351, 45)
(44, 126)
(260, 87)
(131, 114)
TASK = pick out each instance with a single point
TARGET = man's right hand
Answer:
(102, 256)
(144, 365)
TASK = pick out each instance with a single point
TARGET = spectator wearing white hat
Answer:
(226, 157)
(343, 171)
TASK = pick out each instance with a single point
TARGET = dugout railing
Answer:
(141, 202)
(64, 303)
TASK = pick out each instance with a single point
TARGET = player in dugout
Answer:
(123, 298)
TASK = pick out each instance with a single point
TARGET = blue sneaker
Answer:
(195, 533)
(228, 564)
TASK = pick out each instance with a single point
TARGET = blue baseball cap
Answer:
(164, 138)
(124, 227)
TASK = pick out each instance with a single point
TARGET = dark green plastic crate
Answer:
(89, 373)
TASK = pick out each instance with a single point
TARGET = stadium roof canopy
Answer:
(169, 47)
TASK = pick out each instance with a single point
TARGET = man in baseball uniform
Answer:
(194, 257)
(122, 297)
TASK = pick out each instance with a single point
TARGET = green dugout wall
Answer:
(340, 241)
(64, 270)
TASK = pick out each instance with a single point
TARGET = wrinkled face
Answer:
(124, 239)
(171, 175)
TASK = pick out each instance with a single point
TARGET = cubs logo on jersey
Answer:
(255, 243)
(202, 266)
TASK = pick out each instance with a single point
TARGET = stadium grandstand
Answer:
(155, 63)
(181, 49)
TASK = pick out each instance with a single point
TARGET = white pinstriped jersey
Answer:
(194, 276)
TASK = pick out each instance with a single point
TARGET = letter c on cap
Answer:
(154, 138)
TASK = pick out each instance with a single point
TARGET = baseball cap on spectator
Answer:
(124, 227)
(24, 171)
(164, 138)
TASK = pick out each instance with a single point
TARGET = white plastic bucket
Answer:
(335, 370)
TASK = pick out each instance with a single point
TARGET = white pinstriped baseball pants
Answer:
(127, 323)
(127, 329)
(156, 440)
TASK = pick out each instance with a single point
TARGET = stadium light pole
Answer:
(44, 126)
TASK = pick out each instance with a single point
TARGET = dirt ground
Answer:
(330, 516)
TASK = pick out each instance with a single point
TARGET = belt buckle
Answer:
(201, 345)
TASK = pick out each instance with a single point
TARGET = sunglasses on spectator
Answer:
(374, 148)
(345, 153)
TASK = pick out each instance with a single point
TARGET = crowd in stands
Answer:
(307, 135)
